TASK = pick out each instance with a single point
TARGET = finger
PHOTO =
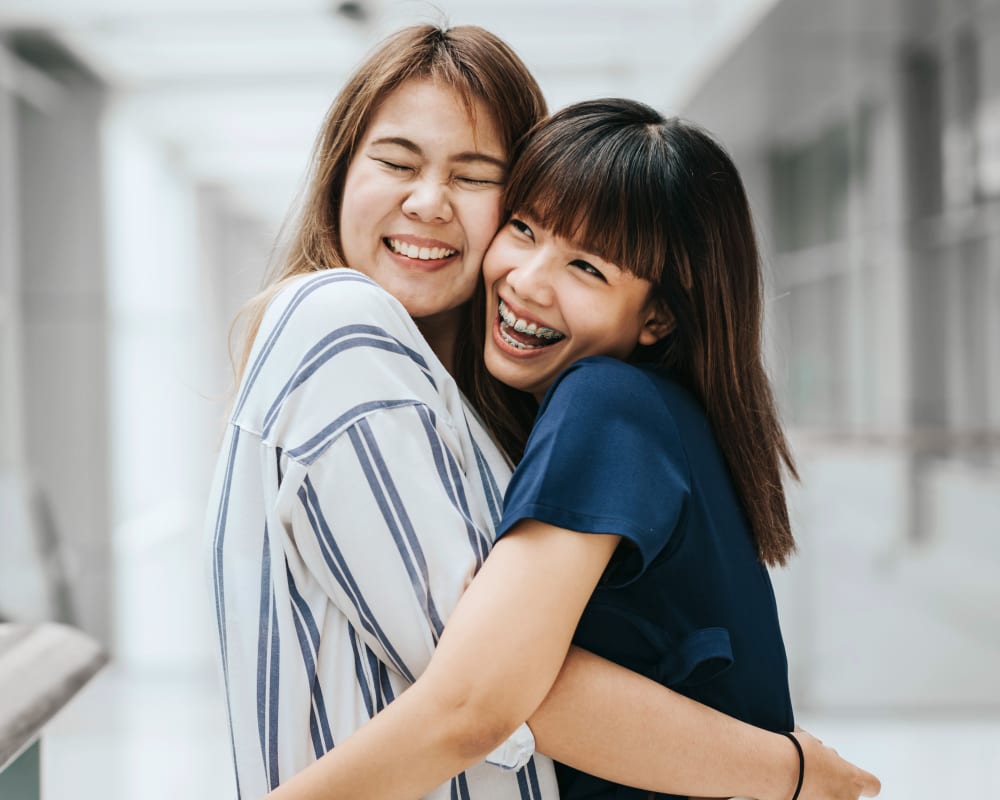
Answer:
(871, 785)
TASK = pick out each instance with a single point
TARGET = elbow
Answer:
(477, 738)
(473, 723)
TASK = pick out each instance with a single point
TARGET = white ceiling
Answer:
(237, 88)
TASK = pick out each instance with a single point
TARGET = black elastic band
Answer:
(802, 763)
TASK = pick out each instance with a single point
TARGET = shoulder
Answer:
(338, 310)
(605, 386)
(332, 342)
(332, 298)
(622, 406)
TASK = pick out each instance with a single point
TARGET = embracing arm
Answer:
(614, 723)
(500, 655)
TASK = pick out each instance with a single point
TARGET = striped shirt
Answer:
(354, 499)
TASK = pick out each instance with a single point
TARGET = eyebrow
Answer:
(468, 157)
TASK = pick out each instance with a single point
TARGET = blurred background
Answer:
(149, 152)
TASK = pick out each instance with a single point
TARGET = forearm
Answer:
(479, 686)
(413, 745)
(610, 722)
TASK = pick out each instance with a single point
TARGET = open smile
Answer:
(521, 334)
(430, 252)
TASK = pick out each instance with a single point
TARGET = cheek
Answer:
(492, 262)
(481, 218)
(368, 196)
(352, 204)
(625, 333)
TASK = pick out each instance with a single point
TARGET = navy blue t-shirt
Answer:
(623, 449)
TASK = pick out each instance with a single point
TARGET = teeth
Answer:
(523, 326)
(518, 345)
(420, 253)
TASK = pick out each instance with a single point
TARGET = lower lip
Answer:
(419, 264)
(514, 352)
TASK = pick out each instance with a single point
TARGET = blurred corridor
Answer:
(149, 153)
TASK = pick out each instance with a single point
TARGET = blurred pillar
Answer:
(63, 314)
(11, 415)
(923, 193)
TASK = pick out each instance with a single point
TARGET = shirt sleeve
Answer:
(604, 457)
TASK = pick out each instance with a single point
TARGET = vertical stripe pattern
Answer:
(352, 497)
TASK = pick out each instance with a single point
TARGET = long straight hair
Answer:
(479, 67)
(663, 200)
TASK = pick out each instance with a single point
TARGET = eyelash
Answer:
(522, 227)
(403, 168)
(525, 230)
(589, 268)
(394, 167)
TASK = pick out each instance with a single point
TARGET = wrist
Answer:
(802, 763)
(783, 774)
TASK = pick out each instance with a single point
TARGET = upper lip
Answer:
(521, 314)
(421, 241)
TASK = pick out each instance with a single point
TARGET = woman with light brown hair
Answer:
(357, 491)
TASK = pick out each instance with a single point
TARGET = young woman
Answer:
(631, 240)
(356, 494)
(649, 497)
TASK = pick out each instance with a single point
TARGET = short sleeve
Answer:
(604, 457)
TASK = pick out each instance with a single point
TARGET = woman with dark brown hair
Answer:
(357, 493)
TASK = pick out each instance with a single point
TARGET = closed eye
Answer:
(390, 165)
(589, 268)
(478, 181)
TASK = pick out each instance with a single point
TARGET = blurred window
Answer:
(811, 184)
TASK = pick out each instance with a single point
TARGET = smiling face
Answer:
(550, 303)
(421, 199)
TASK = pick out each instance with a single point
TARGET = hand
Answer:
(830, 777)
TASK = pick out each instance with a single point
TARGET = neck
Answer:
(441, 332)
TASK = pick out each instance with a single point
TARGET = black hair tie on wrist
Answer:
(802, 762)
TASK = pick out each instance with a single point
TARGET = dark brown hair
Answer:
(662, 199)
(479, 67)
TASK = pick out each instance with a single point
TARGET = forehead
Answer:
(433, 115)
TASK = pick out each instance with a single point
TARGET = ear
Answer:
(659, 322)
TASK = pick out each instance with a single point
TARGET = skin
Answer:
(425, 178)
(597, 307)
(583, 710)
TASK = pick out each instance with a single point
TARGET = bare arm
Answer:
(500, 655)
(608, 721)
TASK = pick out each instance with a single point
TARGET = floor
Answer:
(147, 737)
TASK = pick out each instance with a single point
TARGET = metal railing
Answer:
(41, 668)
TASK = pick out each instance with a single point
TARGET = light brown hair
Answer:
(662, 199)
(479, 67)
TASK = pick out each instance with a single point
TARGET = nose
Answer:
(531, 279)
(428, 201)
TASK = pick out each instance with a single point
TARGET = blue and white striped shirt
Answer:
(355, 497)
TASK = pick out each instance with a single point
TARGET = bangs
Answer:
(599, 188)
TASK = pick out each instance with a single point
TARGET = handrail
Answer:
(41, 668)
